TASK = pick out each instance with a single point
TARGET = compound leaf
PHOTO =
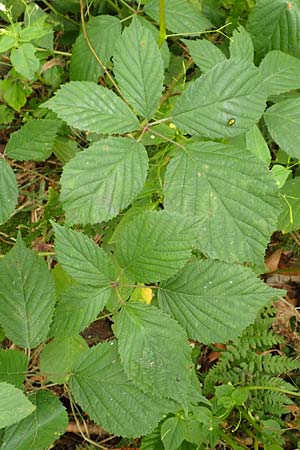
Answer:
(103, 32)
(283, 122)
(40, 429)
(13, 366)
(223, 102)
(101, 387)
(146, 339)
(27, 296)
(87, 106)
(138, 67)
(280, 73)
(204, 53)
(14, 405)
(8, 191)
(231, 193)
(34, 141)
(214, 301)
(154, 245)
(99, 182)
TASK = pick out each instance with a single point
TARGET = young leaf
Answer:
(7, 42)
(146, 339)
(103, 32)
(280, 73)
(257, 145)
(24, 60)
(230, 192)
(58, 356)
(87, 106)
(27, 296)
(155, 245)
(40, 429)
(172, 433)
(182, 16)
(214, 301)
(225, 101)
(8, 191)
(14, 405)
(99, 182)
(273, 24)
(82, 258)
(13, 366)
(34, 141)
(138, 67)
(241, 45)
(204, 53)
(101, 387)
(283, 122)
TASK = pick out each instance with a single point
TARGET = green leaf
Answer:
(58, 356)
(289, 219)
(24, 60)
(164, 49)
(87, 106)
(280, 73)
(152, 441)
(146, 339)
(65, 149)
(101, 181)
(27, 296)
(37, 29)
(14, 405)
(13, 366)
(103, 32)
(214, 301)
(182, 16)
(7, 42)
(155, 245)
(204, 53)
(101, 387)
(172, 433)
(283, 122)
(230, 192)
(280, 174)
(8, 191)
(273, 25)
(13, 93)
(223, 102)
(241, 45)
(34, 141)
(77, 308)
(138, 67)
(257, 145)
(40, 429)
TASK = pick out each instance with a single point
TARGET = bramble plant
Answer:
(171, 135)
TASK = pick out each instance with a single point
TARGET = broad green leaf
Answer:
(214, 301)
(283, 122)
(87, 106)
(36, 29)
(27, 296)
(13, 93)
(232, 194)
(14, 405)
(34, 141)
(62, 279)
(82, 259)
(172, 433)
(78, 306)
(279, 72)
(223, 102)
(100, 386)
(152, 441)
(24, 60)
(281, 174)
(7, 41)
(155, 245)
(103, 32)
(164, 49)
(204, 53)
(40, 429)
(58, 356)
(146, 339)
(241, 45)
(8, 191)
(138, 67)
(13, 366)
(182, 16)
(64, 148)
(274, 25)
(101, 181)
(257, 145)
(289, 219)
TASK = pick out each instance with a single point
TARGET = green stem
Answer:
(56, 52)
(55, 11)
(38, 253)
(162, 23)
(271, 388)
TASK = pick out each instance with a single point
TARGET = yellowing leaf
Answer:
(142, 294)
